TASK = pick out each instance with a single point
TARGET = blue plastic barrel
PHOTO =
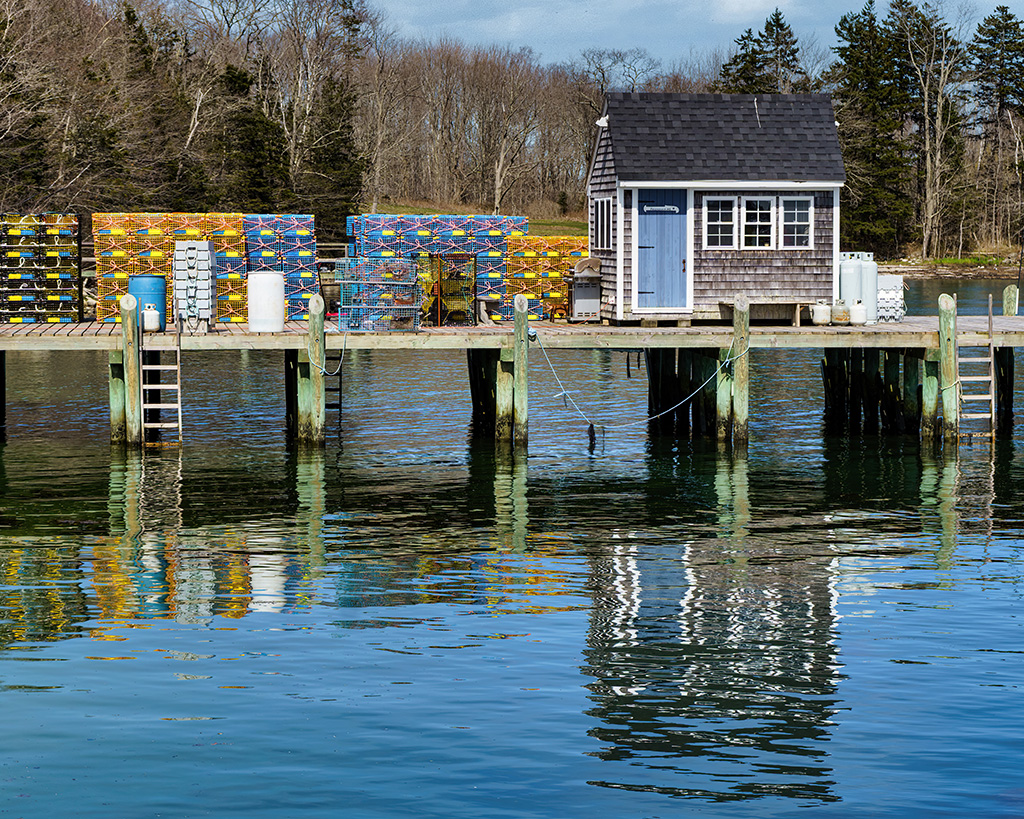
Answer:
(150, 289)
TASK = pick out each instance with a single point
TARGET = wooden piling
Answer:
(856, 390)
(740, 370)
(892, 415)
(520, 414)
(723, 397)
(291, 394)
(115, 385)
(684, 381)
(872, 392)
(911, 405)
(504, 385)
(1004, 370)
(948, 368)
(482, 366)
(132, 362)
(930, 390)
(310, 393)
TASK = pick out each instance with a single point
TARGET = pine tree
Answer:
(998, 56)
(872, 105)
(745, 72)
(780, 54)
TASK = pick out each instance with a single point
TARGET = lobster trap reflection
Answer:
(156, 564)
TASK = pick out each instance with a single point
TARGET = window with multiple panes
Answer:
(761, 222)
(720, 222)
(602, 238)
(797, 217)
(758, 223)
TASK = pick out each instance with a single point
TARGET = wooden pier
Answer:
(893, 377)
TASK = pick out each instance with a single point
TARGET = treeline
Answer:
(318, 106)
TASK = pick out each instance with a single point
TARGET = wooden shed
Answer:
(694, 198)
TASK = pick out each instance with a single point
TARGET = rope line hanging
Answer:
(564, 394)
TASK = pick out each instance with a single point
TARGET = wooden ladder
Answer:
(155, 398)
(976, 383)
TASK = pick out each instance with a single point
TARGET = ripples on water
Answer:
(409, 624)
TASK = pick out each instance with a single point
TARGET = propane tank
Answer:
(150, 319)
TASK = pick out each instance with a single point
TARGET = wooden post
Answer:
(1004, 370)
(709, 393)
(520, 414)
(3, 395)
(482, 366)
(930, 426)
(291, 394)
(912, 390)
(723, 398)
(311, 396)
(872, 392)
(740, 370)
(948, 370)
(856, 390)
(684, 365)
(892, 416)
(504, 384)
(132, 363)
(115, 384)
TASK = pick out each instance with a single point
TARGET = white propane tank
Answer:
(850, 280)
(858, 313)
(869, 287)
(840, 312)
(150, 319)
(266, 301)
(821, 313)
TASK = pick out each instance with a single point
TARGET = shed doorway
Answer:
(661, 245)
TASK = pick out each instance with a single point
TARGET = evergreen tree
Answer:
(998, 56)
(745, 72)
(872, 105)
(780, 54)
(766, 64)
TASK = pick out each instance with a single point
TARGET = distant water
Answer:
(405, 624)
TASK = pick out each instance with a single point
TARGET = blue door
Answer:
(661, 240)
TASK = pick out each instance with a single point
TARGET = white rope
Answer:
(564, 394)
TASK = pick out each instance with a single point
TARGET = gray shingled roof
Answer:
(742, 137)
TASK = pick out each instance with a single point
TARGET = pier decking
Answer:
(913, 332)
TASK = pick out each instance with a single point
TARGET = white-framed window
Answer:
(720, 222)
(796, 217)
(758, 223)
(602, 238)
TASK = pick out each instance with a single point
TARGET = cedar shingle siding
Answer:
(761, 142)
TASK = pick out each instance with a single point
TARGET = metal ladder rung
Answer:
(976, 416)
(977, 379)
(978, 397)
(159, 424)
(157, 367)
(985, 360)
(146, 406)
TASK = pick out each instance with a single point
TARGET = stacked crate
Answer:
(41, 274)
(132, 243)
(380, 294)
(461, 246)
(538, 267)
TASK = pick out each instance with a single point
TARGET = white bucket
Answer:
(266, 302)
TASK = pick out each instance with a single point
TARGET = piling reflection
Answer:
(715, 665)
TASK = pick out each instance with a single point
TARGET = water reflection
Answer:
(714, 671)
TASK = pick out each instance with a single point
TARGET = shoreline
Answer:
(930, 271)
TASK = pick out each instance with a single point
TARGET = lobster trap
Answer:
(448, 289)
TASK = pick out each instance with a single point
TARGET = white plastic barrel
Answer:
(266, 302)
(869, 289)
(850, 280)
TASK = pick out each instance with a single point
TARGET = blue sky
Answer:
(558, 30)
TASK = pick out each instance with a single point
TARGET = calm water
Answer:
(402, 625)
